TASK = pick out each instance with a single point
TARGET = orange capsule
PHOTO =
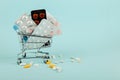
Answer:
(52, 66)
(27, 66)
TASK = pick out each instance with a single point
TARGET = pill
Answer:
(77, 59)
(52, 66)
(72, 60)
(59, 69)
(27, 66)
(36, 65)
(22, 64)
(61, 61)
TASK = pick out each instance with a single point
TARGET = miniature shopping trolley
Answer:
(35, 32)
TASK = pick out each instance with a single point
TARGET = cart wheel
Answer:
(19, 61)
(24, 55)
(45, 61)
(46, 57)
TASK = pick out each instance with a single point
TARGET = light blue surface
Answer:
(90, 30)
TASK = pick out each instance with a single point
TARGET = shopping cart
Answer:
(34, 37)
(38, 43)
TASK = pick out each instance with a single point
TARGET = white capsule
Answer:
(72, 60)
(77, 59)
(36, 65)
(59, 69)
(22, 64)
(61, 61)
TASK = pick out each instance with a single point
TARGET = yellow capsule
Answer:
(27, 66)
(52, 66)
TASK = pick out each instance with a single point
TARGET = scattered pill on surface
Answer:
(52, 66)
(22, 64)
(36, 65)
(61, 61)
(77, 59)
(27, 66)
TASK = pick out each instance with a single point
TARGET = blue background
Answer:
(90, 30)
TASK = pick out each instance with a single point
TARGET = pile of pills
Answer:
(40, 23)
(53, 66)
